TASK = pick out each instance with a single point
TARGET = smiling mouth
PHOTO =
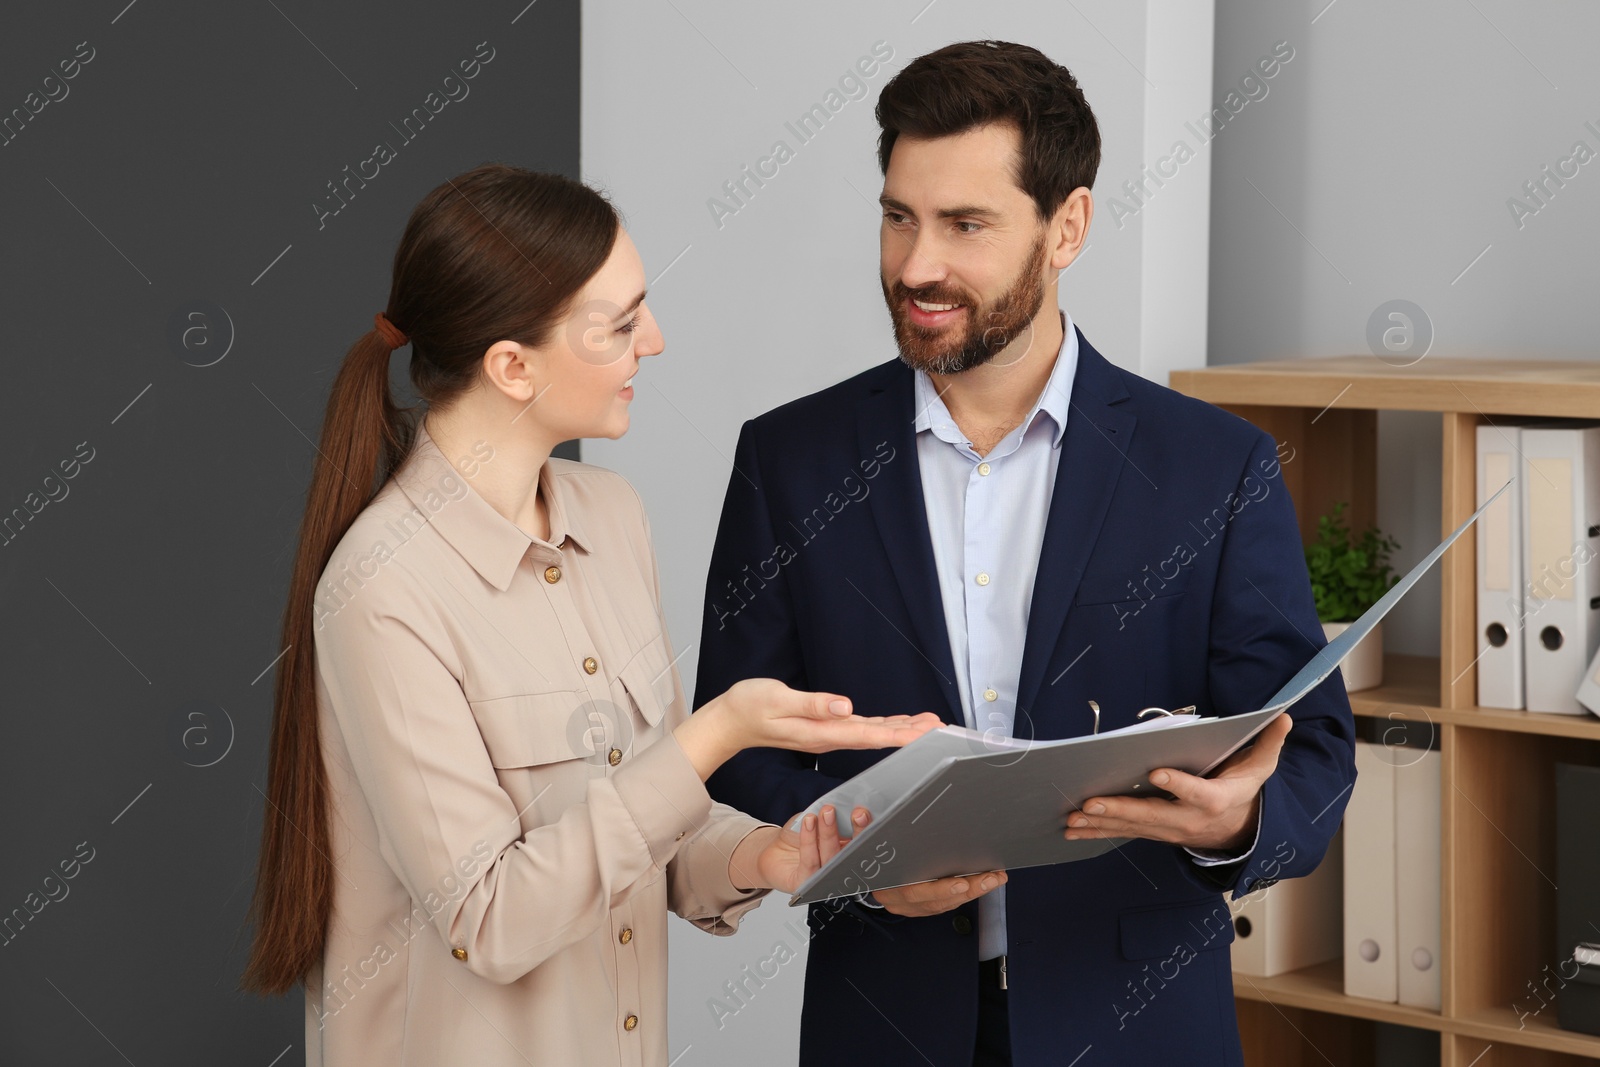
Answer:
(929, 306)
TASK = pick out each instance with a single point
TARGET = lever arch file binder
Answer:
(1369, 873)
(957, 802)
(1499, 535)
(1561, 579)
(1418, 871)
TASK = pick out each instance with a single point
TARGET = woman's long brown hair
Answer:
(498, 253)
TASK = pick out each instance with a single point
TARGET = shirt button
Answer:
(459, 953)
(590, 665)
(681, 834)
(614, 757)
(983, 579)
(961, 924)
(626, 935)
(552, 575)
(630, 1022)
(990, 694)
(983, 468)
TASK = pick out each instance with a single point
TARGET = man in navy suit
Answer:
(1002, 526)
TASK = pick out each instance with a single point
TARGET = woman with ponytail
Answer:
(485, 789)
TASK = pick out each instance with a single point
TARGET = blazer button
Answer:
(614, 757)
(626, 935)
(630, 1022)
(459, 953)
(961, 924)
(552, 575)
(590, 665)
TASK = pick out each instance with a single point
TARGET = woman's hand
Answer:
(781, 858)
(765, 713)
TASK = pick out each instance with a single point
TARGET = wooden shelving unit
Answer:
(1498, 907)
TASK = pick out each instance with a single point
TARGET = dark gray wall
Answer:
(177, 173)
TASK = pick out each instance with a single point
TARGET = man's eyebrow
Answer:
(963, 211)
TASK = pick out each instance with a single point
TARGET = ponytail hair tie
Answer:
(392, 334)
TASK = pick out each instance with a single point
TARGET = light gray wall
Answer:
(1381, 167)
(782, 297)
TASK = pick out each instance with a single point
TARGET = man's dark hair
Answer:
(973, 83)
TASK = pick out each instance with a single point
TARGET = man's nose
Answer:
(921, 269)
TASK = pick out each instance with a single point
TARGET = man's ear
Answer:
(1069, 227)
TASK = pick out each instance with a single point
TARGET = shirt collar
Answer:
(494, 545)
(1053, 400)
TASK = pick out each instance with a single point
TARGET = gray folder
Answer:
(958, 802)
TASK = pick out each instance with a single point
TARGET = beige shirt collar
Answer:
(490, 542)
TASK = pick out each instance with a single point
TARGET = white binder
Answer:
(1561, 577)
(1292, 924)
(1417, 869)
(1500, 654)
(1589, 691)
(1369, 879)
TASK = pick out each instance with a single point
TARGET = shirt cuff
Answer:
(1215, 857)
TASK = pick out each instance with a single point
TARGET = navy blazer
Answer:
(1171, 573)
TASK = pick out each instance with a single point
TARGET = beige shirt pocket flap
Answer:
(648, 680)
(528, 729)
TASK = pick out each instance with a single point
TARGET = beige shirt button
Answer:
(983, 468)
(614, 757)
(459, 953)
(590, 665)
(681, 834)
(552, 575)
(630, 1022)
(990, 694)
(626, 935)
(983, 579)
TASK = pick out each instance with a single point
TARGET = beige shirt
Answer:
(511, 816)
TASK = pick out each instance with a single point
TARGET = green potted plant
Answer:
(1348, 577)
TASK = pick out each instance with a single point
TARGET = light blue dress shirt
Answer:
(986, 516)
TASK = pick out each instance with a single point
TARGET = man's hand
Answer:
(935, 897)
(938, 896)
(1218, 812)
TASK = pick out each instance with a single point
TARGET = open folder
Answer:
(958, 802)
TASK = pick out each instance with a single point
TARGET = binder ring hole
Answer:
(1369, 950)
(1496, 633)
(1550, 637)
(1241, 926)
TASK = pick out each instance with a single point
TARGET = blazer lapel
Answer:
(899, 510)
(1094, 452)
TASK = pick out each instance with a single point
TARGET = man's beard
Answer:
(989, 329)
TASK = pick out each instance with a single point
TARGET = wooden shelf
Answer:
(1498, 851)
(1546, 387)
(1321, 988)
(1536, 1031)
(1410, 691)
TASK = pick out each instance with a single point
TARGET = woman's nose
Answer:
(651, 341)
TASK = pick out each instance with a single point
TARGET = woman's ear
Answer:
(516, 370)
